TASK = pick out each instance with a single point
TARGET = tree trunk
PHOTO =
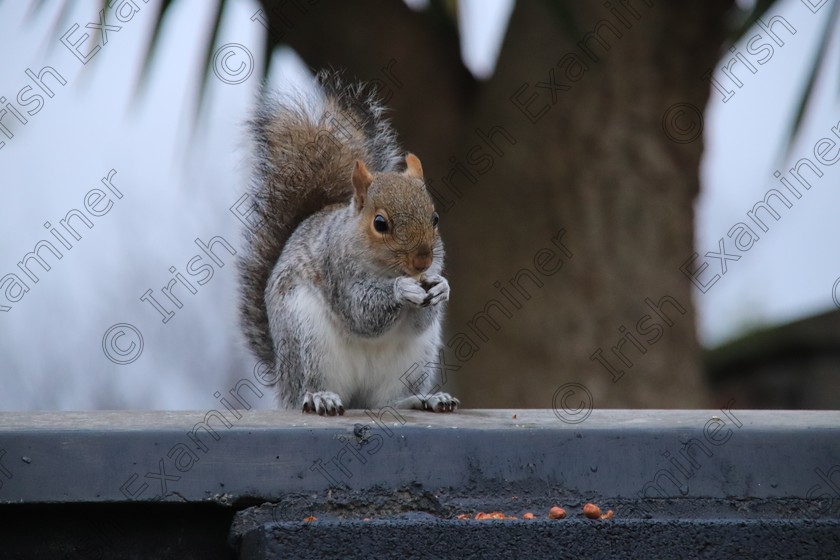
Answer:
(568, 208)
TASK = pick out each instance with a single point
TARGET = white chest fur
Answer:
(364, 371)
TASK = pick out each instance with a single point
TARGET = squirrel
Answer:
(342, 293)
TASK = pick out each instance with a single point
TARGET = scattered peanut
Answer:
(556, 513)
(310, 518)
(492, 515)
(528, 515)
(592, 511)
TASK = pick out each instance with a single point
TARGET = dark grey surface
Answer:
(415, 523)
(678, 539)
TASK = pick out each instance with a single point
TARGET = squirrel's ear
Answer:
(413, 167)
(361, 181)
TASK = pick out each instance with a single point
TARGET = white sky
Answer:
(179, 182)
(790, 272)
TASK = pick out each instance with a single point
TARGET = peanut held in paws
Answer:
(437, 289)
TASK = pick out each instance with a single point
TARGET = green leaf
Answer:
(208, 60)
(758, 10)
(151, 48)
(808, 91)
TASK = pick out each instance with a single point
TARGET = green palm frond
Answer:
(808, 90)
(444, 12)
(154, 43)
(747, 19)
(758, 10)
(151, 48)
(208, 57)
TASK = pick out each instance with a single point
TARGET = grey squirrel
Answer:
(341, 286)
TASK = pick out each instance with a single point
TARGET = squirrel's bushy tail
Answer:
(305, 152)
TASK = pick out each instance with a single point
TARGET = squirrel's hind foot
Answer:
(441, 402)
(322, 403)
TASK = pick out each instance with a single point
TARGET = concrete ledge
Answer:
(674, 478)
(150, 456)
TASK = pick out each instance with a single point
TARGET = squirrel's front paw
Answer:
(437, 289)
(408, 289)
(323, 402)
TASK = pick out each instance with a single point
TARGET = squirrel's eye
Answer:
(435, 218)
(380, 224)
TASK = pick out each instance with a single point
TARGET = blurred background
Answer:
(657, 178)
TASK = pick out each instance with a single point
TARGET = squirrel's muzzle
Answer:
(421, 261)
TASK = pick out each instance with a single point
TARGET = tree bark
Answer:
(427, 88)
(590, 157)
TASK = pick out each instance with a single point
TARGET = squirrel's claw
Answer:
(441, 402)
(410, 290)
(439, 292)
(322, 403)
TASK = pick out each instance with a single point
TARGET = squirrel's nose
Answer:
(421, 261)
